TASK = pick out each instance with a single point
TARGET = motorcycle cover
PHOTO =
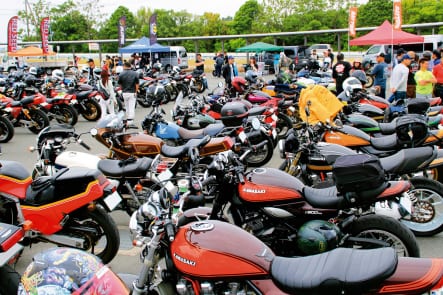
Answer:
(324, 105)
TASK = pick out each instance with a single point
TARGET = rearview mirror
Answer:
(93, 131)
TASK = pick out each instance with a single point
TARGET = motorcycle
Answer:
(6, 127)
(66, 209)
(233, 125)
(85, 101)
(134, 177)
(311, 161)
(198, 258)
(286, 214)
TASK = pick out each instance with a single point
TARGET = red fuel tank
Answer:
(211, 249)
(267, 185)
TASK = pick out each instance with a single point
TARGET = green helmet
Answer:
(318, 236)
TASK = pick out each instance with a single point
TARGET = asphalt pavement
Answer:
(127, 260)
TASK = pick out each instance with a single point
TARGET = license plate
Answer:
(242, 137)
(113, 200)
(165, 175)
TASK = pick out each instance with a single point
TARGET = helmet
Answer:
(239, 84)
(33, 71)
(157, 66)
(65, 271)
(156, 94)
(318, 236)
(352, 85)
(176, 69)
(251, 76)
(30, 80)
(360, 75)
(233, 113)
(58, 74)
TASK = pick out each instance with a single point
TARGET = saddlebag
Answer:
(359, 177)
(412, 130)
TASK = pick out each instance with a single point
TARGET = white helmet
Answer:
(176, 69)
(58, 74)
(33, 71)
(352, 84)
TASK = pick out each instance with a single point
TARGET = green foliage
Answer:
(83, 20)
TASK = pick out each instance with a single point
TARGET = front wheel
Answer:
(370, 81)
(427, 215)
(262, 155)
(97, 230)
(39, 120)
(65, 113)
(284, 124)
(6, 130)
(92, 110)
(373, 230)
(199, 86)
(9, 280)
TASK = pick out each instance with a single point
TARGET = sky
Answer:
(9, 8)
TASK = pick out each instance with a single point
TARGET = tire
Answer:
(385, 229)
(144, 101)
(66, 114)
(9, 280)
(263, 155)
(39, 119)
(6, 130)
(199, 87)
(370, 82)
(284, 124)
(100, 221)
(93, 111)
(427, 216)
(173, 93)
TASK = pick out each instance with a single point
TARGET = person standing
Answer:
(399, 79)
(327, 61)
(128, 80)
(228, 71)
(413, 68)
(219, 60)
(91, 67)
(438, 74)
(380, 73)
(331, 55)
(340, 71)
(425, 80)
(105, 86)
(276, 63)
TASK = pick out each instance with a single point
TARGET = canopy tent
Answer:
(30, 51)
(385, 34)
(143, 45)
(259, 47)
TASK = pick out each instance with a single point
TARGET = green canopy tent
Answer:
(259, 47)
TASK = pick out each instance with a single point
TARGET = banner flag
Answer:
(12, 34)
(352, 21)
(153, 29)
(44, 31)
(397, 15)
(122, 31)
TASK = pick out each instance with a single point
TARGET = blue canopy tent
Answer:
(143, 45)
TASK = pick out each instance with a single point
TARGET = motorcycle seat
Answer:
(385, 143)
(83, 94)
(408, 160)
(125, 168)
(182, 151)
(255, 111)
(388, 128)
(15, 104)
(27, 100)
(211, 130)
(340, 271)
(325, 198)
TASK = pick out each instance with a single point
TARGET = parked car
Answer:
(320, 48)
(268, 58)
(298, 54)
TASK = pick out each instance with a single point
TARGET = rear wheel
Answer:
(39, 120)
(262, 155)
(284, 124)
(6, 130)
(378, 229)
(199, 87)
(98, 231)
(92, 111)
(370, 80)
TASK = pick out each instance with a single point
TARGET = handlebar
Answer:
(83, 144)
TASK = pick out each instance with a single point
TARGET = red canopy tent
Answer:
(385, 34)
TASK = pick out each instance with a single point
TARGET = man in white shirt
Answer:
(399, 79)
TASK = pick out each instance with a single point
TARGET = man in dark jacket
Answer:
(128, 80)
(228, 71)
(340, 71)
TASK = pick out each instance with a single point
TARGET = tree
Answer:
(246, 17)
(374, 13)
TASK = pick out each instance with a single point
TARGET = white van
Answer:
(430, 43)
(177, 56)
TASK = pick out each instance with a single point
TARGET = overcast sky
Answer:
(9, 8)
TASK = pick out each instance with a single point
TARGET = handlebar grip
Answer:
(241, 178)
(170, 231)
(83, 144)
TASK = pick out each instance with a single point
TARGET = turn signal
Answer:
(27, 225)
(91, 207)
(138, 187)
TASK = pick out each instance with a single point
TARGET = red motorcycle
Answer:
(67, 209)
(215, 257)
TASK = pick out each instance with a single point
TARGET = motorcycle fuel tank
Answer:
(141, 145)
(213, 249)
(267, 185)
(347, 136)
